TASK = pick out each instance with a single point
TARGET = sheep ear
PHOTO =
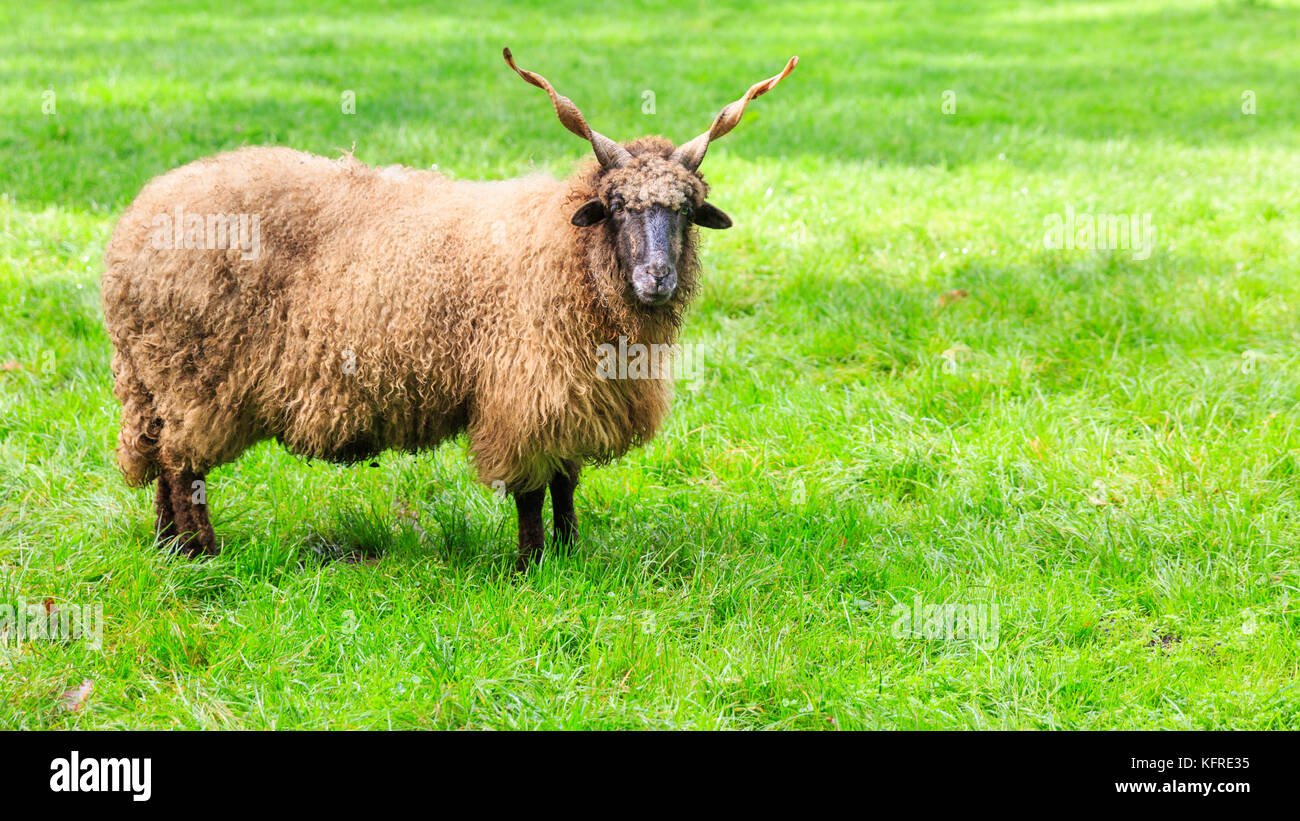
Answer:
(711, 216)
(591, 212)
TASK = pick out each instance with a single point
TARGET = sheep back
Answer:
(384, 308)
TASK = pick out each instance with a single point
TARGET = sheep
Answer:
(346, 310)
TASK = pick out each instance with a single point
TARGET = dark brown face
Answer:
(649, 207)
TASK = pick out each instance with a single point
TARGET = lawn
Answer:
(908, 394)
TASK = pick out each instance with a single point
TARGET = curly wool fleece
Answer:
(386, 308)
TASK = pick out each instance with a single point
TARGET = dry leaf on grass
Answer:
(952, 296)
(74, 698)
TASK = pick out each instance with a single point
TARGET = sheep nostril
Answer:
(662, 273)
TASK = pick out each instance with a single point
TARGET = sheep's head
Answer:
(648, 206)
(649, 193)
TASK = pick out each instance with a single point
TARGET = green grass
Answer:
(1112, 459)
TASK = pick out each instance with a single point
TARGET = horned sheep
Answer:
(392, 308)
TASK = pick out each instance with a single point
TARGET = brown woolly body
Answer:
(387, 308)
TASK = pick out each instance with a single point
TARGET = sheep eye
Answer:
(686, 211)
(616, 206)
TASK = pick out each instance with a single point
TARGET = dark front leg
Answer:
(566, 518)
(189, 506)
(532, 537)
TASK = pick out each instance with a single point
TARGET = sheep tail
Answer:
(137, 442)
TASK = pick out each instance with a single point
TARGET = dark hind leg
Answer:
(566, 518)
(189, 507)
(532, 536)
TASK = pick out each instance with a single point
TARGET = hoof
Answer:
(189, 545)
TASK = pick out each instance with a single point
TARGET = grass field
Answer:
(906, 396)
